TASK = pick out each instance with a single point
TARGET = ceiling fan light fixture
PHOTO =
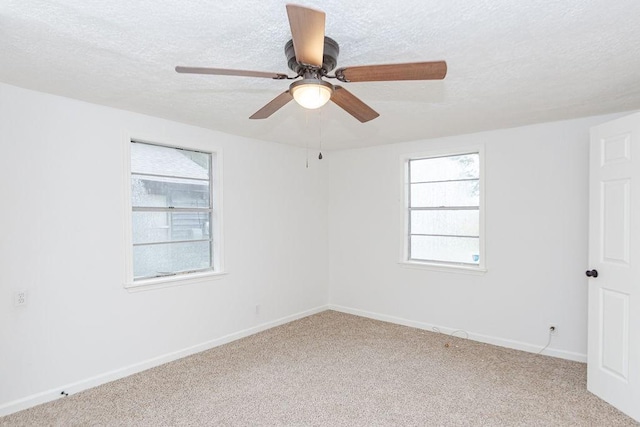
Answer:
(311, 93)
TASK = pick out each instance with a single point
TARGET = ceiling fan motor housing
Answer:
(329, 57)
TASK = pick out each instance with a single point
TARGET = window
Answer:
(443, 210)
(173, 215)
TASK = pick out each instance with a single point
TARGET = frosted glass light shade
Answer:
(311, 94)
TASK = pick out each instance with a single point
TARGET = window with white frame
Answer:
(173, 216)
(443, 210)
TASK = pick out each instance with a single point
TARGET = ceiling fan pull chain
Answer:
(306, 120)
(320, 134)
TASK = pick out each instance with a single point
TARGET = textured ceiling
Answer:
(510, 62)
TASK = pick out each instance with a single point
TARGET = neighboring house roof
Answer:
(157, 160)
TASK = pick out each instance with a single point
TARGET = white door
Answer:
(614, 264)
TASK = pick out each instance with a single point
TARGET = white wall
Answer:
(536, 202)
(62, 238)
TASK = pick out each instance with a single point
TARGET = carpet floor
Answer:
(335, 369)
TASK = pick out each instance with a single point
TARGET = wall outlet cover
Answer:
(20, 298)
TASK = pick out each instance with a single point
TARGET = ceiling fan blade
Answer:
(353, 105)
(435, 70)
(307, 31)
(228, 72)
(274, 105)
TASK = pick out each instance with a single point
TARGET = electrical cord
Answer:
(452, 334)
(466, 336)
(551, 330)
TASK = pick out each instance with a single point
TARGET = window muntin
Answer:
(443, 210)
(172, 211)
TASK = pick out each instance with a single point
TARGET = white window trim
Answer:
(481, 268)
(218, 239)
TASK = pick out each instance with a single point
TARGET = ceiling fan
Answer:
(312, 55)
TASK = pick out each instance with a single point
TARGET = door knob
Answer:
(592, 273)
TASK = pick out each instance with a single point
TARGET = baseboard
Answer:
(55, 393)
(516, 345)
(78, 386)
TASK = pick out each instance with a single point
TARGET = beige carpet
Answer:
(334, 369)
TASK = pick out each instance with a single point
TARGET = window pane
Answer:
(152, 191)
(154, 260)
(445, 194)
(446, 249)
(445, 168)
(459, 223)
(149, 227)
(167, 161)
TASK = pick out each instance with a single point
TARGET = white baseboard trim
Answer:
(55, 393)
(502, 342)
(85, 384)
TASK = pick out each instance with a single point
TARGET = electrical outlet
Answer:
(20, 298)
(257, 309)
(553, 329)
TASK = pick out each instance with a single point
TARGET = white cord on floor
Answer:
(466, 336)
(548, 342)
(452, 334)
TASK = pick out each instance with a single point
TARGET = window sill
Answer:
(170, 281)
(460, 269)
